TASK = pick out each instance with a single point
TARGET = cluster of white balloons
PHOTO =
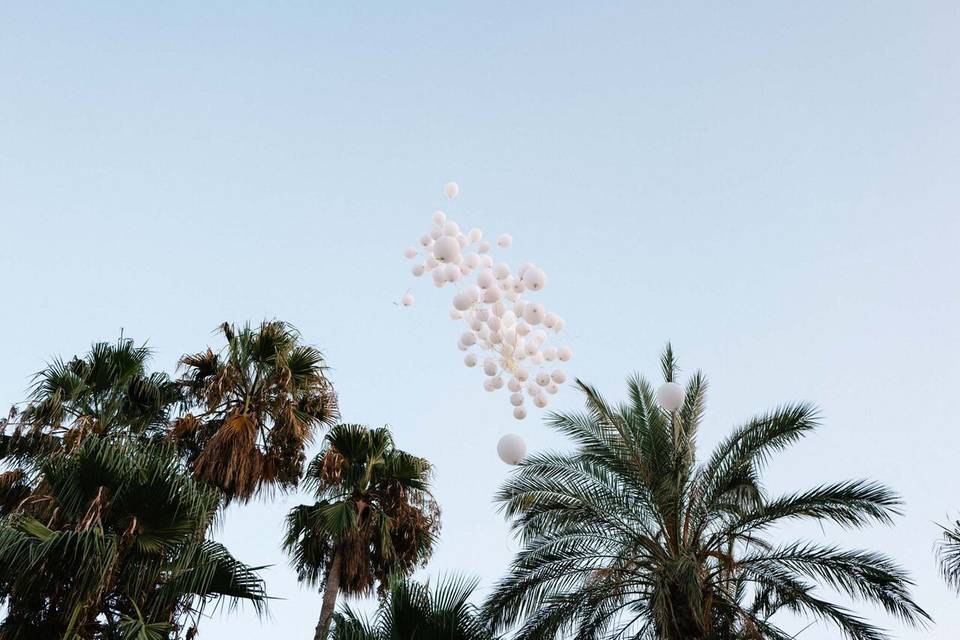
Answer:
(506, 335)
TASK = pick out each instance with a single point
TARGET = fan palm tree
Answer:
(254, 407)
(948, 554)
(374, 516)
(107, 392)
(107, 542)
(417, 611)
(629, 536)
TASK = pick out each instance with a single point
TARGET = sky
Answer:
(773, 187)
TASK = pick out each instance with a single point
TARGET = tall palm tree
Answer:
(374, 516)
(948, 555)
(254, 407)
(107, 392)
(107, 543)
(417, 611)
(629, 536)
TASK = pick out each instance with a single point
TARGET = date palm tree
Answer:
(628, 536)
(107, 543)
(948, 555)
(253, 408)
(374, 517)
(418, 611)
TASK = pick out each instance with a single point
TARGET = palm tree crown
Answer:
(418, 611)
(255, 406)
(374, 517)
(107, 542)
(629, 536)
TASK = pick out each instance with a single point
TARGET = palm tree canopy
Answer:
(254, 407)
(373, 503)
(108, 391)
(108, 540)
(948, 554)
(418, 611)
(629, 536)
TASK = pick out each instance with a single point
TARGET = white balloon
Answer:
(519, 413)
(511, 295)
(410, 253)
(516, 399)
(504, 241)
(488, 384)
(531, 348)
(462, 241)
(550, 320)
(483, 247)
(476, 323)
(534, 313)
(540, 336)
(451, 189)
(495, 337)
(511, 448)
(460, 301)
(451, 228)
(485, 279)
(559, 325)
(494, 323)
(472, 260)
(552, 388)
(426, 240)
(523, 268)
(540, 402)
(436, 232)
(452, 272)
(472, 292)
(518, 286)
(514, 385)
(468, 338)
(522, 327)
(564, 353)
(455, 315)
(475, 235)
(446, 249)
(543, 378)
(509, 337)
(534, 279)
(431, 263)
(537, 358)
(417, 270)
(407, 300)
(491, 295)
(438, 277)
(490, 366)
(522, 374)
(470, 360)
(486, 262)
(550, 354)
(501, 271)
(498, 309)
(670, 396)
(509, 319)
(497, 382)
(439, 217)
(558, 376)
(481, 313)
(533, 388)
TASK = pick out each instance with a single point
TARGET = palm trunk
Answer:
(330, 591)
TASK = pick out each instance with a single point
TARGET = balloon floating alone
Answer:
(670, 396)
(511, 449)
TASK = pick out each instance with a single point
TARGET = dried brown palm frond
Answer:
(252, 409)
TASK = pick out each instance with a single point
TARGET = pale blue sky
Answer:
(772, 186)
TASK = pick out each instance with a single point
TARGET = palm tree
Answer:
(107, 542)
(948, 554)
(374, 516)
(254, 407)
(108, 391)
(629, 536)
(415, 611)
